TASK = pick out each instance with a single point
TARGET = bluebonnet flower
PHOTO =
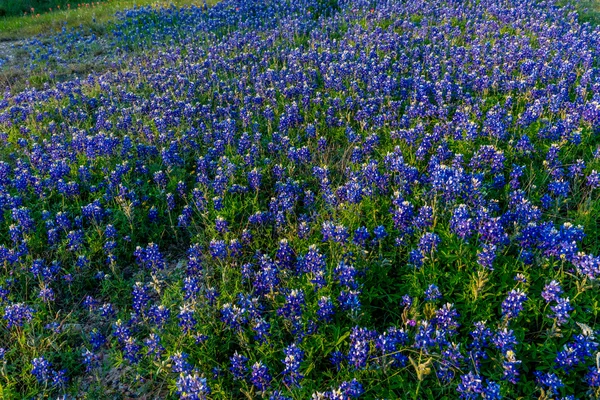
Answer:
(312, 262)
(346, 275)
(150, 257)
(361, 235)
(246, 237)
(185, 218)
(261, 329)
(233, 316)
(513, 304)
(191, 288)
(546, 200)
(446, 319)
(593, 377)
(267, 277)
(107, 310)
(82, 262)
(426, 336)
(260, 377)
(211, 294)
(451, 358)
(587, 264)
(131, 350)
(486, 256)
(336, 233)
(424, 218)
(94, 212)
(218, 249)
(293, 357)
(194, 265)
(593, 179)
(511, 367)
(349, 300)
(337, 358)
(326, 309)
(110, 232)
(54, 327)
(22, 216)
(41, 369)
(379, 233)
(90, 360)
(520, 278)
(53, 236)
(561, 311)
(170, 198)
(16, 233)
(180, 363)
(294, 305)
(402, 216)
(221, 225)
(46, 294)
(492, 391)
(97, 340)
(17, 314)
(552, 291)
(415, 258)
(187, 322)
(285, 255)
(181, 188)
(576, 351)
(140, 297)
(432, 293)
(160, 178)
(559, 188)
(491, 231)
(524, 145)
(276, 395)
(481, 336)
(76, 239)
(238, 366)
(254, 179)
(153, 214)
(407, 301)
(429, 243)
(352, 389)
(471, 386)
(218, 203)
(200, 338)
(387, 344)
(192, 387)
(505, 340)
(360, 344)
(516, 173)
(154, 346)
(549, 381)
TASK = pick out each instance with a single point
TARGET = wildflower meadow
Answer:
(308, 199)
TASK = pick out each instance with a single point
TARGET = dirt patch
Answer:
(9, 52)
(18, 71)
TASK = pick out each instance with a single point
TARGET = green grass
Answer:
(21, 7)
(589, 10)
(94, 17)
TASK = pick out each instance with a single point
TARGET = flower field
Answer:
(309, 199)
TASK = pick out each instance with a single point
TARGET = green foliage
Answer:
(20, 7)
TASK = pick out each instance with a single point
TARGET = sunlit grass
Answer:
(93, 15)
(588, 10)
